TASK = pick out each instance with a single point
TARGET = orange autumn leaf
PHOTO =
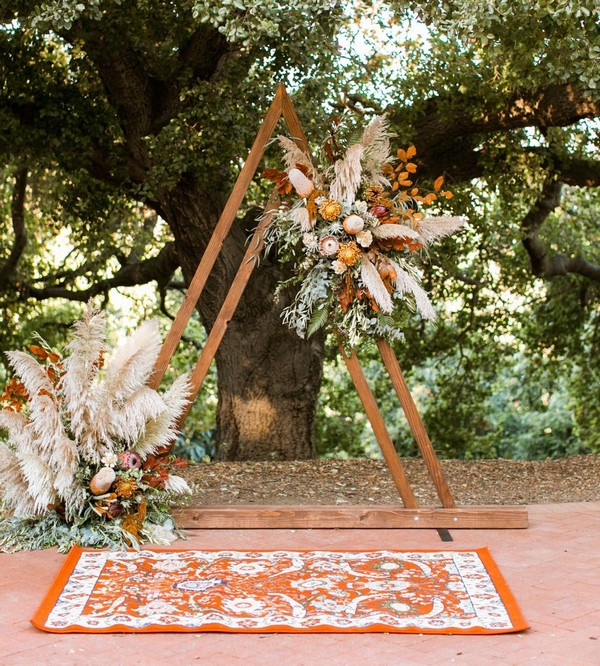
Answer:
(395, 186)
(345, 300)
(411, 151)
(38, 351)
(447, 194)
(438, 183)
(402, 154)
(280, 178)
(405, 183)
(414, 192)
(411, 167)
(403, 175)
(54, 357)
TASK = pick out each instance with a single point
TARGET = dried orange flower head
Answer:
(330, 209)
(349, 253)
(125, 487)
(373, 192)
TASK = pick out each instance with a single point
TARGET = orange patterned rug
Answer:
(454, 592)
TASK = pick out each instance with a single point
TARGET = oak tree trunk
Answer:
(268, 378)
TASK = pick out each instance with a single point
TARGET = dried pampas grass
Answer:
(294, 156)
(348, 173)
(81, 367)
(363, 161)
(406, 284)
(162, 430)
(374, 284)
(434, 228)
(87, 414)
(14, 484)
(131, 364)
(384, 231)
(376, 141)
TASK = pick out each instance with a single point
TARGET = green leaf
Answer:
(318, 320)
(386, 320)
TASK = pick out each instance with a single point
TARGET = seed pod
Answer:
(102, 480)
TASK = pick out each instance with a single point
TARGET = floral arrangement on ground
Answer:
(355, 235)
(84, 458)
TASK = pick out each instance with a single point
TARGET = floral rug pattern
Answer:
(280, 591)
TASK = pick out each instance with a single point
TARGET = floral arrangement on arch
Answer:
(80, 464)
(356, 236)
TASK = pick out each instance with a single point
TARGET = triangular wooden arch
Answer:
(251, 516)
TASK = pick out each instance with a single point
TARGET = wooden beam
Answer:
(213, 248)
(228, 308)
(350, 517)
(383, 438)
(416, 425)
(292, 121)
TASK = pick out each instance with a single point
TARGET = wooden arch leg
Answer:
(383, 438)
(228, 309)
(416, 425)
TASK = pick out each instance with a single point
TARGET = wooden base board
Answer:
(254, 516)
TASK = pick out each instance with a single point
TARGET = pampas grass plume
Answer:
(433, 228)
(394, 231)
(373, 282)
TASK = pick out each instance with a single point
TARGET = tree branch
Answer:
(17, 210)
(543, 264)
(159, 268)
(578, 171)
(443, 121)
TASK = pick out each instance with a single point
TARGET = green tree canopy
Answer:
(123, 124)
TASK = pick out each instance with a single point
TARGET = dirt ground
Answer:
(572, 479)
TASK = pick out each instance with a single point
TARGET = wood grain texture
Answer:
(350, 517)
(416, 425)
(379, 429)
(228, 308)
(215, 244)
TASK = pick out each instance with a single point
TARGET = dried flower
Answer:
(301, 183)
(177, 484)
(110, 460)
(115, 509)
(379, 211)
(328, 246)
(373, 192)
(339, 267)
(353, 224)
(131, 524)
(130, 460)
(364, 238)
(125, 487)
(310, 241)
(349, 253)
(330, 209)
